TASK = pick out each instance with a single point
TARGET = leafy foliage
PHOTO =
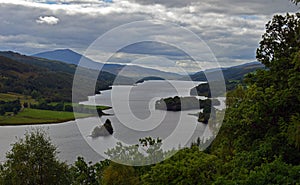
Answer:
(280, 42)
(10, 106)
(118, 174)
(188, 166)
(33, 160)
(90, 174)
(147, 152)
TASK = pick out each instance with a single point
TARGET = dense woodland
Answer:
(44, 80)
(258, 143)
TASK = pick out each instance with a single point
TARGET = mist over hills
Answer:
(133, 71)
(137, 73)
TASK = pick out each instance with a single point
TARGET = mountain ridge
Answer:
(132, 71)
(230, 73)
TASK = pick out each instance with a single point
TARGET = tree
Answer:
(69, 108)
(32, 161)
(261, 124)
(188, 166)
(275, 172)
(83, 173)
(147, 152)
(118, 174)
(88, 173)
(280, 42)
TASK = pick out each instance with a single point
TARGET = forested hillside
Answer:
(34, 81)
(45, 79)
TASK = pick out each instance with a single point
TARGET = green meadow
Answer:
(36, 116)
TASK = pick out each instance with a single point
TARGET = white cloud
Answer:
(51, 20)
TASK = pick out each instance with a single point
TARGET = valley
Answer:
(40, 83)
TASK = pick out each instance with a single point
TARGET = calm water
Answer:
(133, 117)
(65, 136)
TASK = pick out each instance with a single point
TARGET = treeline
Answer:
(10, 106)
(65, 106)
(177, 103)
(185, 103)
(58, 106)
(190, 103)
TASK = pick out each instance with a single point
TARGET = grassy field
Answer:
(35, 116)
(15, 96)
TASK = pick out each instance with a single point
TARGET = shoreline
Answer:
(57, 122)
(49, 123)
(31, 117)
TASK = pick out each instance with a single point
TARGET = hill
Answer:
(40, 62)
(132, 71)
(64, 55)
(42, 78)
(230, 73)
(35, 81)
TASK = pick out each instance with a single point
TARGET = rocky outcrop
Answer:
(104, 130)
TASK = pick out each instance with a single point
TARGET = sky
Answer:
(229, 29)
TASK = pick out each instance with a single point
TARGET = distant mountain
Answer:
(64, 55)
(136, 72)
(232, 76)
(229, 73)
(70, 57)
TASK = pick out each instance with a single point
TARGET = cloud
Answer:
(51, 20)
(231, 28)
